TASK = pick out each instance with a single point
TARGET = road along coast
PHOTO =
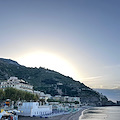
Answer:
(70, 116)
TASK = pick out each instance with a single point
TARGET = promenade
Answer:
(70, 116)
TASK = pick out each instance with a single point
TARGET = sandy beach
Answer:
(70, 116)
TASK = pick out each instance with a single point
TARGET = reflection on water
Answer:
(101, 113)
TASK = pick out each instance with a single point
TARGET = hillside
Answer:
(50, 82)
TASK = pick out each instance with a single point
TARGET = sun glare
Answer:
(50, 61)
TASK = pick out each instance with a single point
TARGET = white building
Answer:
(34, 109)
(14, 82)
(73, 99)
(42, 95)
(66, 98)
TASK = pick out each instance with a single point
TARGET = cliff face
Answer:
(51, 82)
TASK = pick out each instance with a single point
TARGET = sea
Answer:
(101, 113)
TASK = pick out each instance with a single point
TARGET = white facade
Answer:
(73, 99)
(37, 93)
(34, 109)
(66, 98)
(14, 82)
(42, 95)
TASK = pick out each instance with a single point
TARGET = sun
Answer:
(48, 60)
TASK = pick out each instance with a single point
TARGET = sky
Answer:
(78, 38)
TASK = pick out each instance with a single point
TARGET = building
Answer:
(66, 98)
(57, 98)
(14, 82)
(42, 95)
(73, 99)
(34, 109)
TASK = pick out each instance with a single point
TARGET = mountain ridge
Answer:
(9, 61)
(51, 82)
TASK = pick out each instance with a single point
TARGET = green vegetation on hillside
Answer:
(50, 82)
(42, 79)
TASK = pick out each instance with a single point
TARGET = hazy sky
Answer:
(78, 38)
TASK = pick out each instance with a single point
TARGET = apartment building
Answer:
(20, 84)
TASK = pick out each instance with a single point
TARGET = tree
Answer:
(15, 94)
(1, 94)
(76, 102)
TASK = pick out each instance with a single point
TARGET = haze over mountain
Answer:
(112, 94)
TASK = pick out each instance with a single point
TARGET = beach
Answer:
(70, 116)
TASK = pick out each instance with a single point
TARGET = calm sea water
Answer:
(101, 113)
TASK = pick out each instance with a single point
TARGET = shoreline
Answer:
(82, 113)
(69, 116)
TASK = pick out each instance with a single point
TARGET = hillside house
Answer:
(14, 82)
